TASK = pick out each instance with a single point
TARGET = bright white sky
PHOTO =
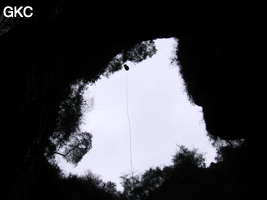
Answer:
(161, 118)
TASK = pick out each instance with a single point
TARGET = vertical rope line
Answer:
(129, 123)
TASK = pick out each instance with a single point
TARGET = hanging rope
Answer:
(129, 123)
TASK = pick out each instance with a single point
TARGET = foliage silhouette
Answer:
(234, 176)
(67, 139)
(157, 180)
(53, 184)
(136, 54)
(185, 157)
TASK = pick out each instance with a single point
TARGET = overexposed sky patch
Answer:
(161, 118)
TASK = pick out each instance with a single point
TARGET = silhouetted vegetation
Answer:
(233, 176)
(136, 54)
(53, 184)
(155, 180)
(67, 139)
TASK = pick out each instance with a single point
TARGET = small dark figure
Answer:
(126, 67)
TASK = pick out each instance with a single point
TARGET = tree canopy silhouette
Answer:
(135, 54)
(231, 177)
(163, 180)
(67, 139)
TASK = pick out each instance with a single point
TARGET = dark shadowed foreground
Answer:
(47, 61)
